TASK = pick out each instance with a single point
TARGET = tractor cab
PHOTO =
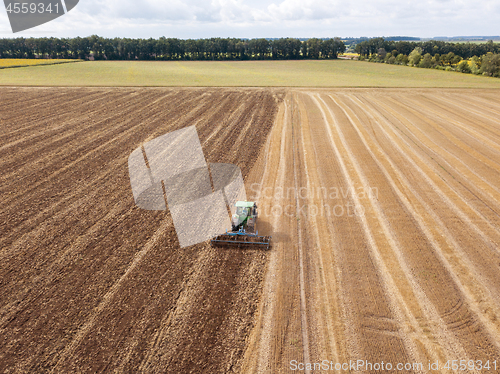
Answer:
(242, 211)
(244, 217)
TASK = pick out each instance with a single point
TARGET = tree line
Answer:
(467, 50)
(99, 48)
(487, 64)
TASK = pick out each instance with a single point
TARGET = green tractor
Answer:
(243, 229)
(245, 216)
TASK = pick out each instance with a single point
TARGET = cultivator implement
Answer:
(241, 239)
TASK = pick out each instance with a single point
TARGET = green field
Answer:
(310, 73)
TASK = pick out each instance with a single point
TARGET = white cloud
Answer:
(270, 18)
(307, 9)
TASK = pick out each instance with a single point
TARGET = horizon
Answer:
(484, 38)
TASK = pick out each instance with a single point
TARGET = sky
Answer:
(269, 19)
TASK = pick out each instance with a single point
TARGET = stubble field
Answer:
(383, 205)
(388, 249)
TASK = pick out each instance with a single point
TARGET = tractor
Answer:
(243, 232)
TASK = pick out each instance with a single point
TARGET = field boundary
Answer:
(37, 65)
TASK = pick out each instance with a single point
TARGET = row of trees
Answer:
(369, 47)
(487, 64)
(163, 48)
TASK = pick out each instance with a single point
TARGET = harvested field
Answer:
(383, 205)
(388, 252)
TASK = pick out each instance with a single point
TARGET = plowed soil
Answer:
(88, 281)
(383, 204)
